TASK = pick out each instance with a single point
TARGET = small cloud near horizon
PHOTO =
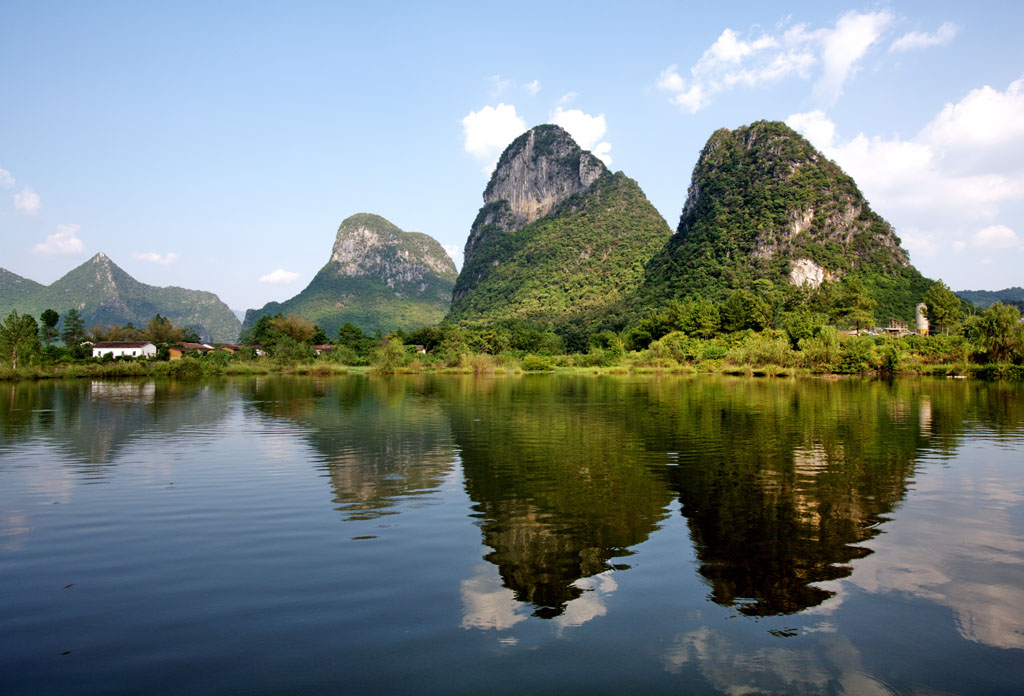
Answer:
(64, 242)
(153, 257)
(279, 277)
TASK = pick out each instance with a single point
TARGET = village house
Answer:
(120, 349)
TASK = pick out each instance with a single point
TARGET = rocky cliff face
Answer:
(104, 293)
(539, 170)
(369, 245)
(558, 235)
(763, 203)
(378, 277)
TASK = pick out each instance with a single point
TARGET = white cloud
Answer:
(920, 39)
(153, 257)
(844, 47)
(489, 131)
(832, 55)
(995, 237)
(499, 84)
(586, 130)
(455, 252)
(6, 180)
(64, 242)
(532, 88)
(567, 97)
(27, 202)
(279, 277)
(945, 188)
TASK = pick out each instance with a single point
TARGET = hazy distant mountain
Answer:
(986, 298)
(104, 293)
(378, 277)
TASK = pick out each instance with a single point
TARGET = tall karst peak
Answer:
(764, 203)
(378, 277)
(559, 238)
(539, 170)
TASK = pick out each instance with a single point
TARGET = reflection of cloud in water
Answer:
(13, 528)
(487, 604)
(960, 553)
(772, 670)
(588, 605)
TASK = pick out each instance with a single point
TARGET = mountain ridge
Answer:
(104, 293)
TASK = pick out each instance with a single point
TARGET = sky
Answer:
(218, 146)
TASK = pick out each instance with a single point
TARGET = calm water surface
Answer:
(536, 534)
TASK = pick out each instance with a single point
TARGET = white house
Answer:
(120, 348)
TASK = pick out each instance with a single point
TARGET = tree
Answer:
(294, 327)
(855, 306)
(73, 332)
(944, 307)
(19, 337)
(49, 327)
(161, 330)
(1000, 331)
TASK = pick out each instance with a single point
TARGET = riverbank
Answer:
(195, 368)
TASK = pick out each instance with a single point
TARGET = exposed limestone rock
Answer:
(379, 277)
(806, 271)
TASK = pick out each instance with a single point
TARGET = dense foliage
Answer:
(761, 197)
(579, 261)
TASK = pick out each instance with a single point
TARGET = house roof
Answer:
(122, 344)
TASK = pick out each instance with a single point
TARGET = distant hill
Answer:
(104, 293)
(764, 203)
(984, 299)
(559, 236)
(378, 277)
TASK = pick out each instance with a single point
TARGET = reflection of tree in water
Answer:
(560, 488)
(782, 482)
(380, 439)
(93, 421)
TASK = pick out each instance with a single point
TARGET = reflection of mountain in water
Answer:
(560, 488)
(782, 482)
(94, 421)
(380, 439)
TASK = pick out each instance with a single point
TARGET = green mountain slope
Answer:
(104, 293)
(14, 289)
(986, 298)
(763, 203)
(378, 277)
(559, 237)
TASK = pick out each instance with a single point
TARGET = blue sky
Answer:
(217, 146)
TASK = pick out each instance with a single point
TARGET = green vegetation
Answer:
(578, 263)
(104, 294)
(761, 198)
(986, 298)
(379, 278)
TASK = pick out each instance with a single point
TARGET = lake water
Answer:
(534, 534)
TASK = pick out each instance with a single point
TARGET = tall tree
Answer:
(19, 338)
(1000, 331)
(48, 331)
(855, 306)
(73, 332)
(944, 308)
(161, 330)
